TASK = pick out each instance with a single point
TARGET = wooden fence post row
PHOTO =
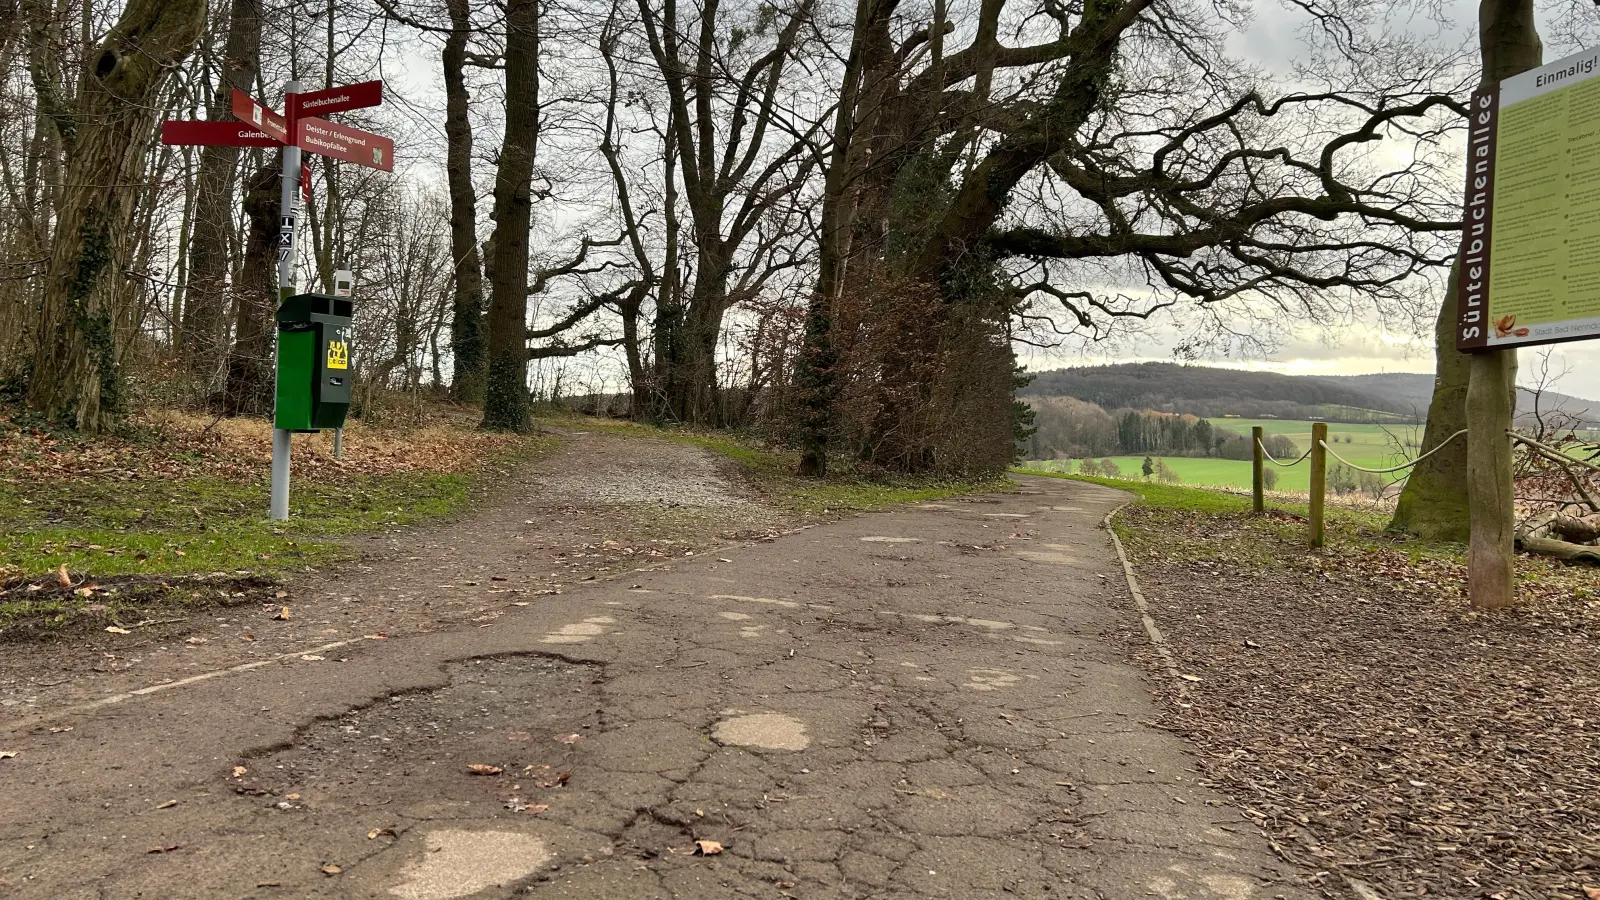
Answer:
(1319, 480)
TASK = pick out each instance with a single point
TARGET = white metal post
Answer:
(289, 208)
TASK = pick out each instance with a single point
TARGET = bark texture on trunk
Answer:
(248, 385)
(76, 375)
(206, 309)
(1434, 503)
(505, 403)
(467, 348)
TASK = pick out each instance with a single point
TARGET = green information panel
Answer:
(1530, 251)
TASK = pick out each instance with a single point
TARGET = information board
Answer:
(1530, 248)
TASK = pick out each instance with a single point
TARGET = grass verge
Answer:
(174, 510)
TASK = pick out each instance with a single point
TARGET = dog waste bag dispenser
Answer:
(313, 362)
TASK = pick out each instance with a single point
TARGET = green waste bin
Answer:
(313, 362)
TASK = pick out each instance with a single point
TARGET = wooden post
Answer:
(1319, 481)
(1490, 499)
(1258, 472)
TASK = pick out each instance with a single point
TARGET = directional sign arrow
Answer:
(343, 142)
(339, 99)
(230, 134)
(247, 110)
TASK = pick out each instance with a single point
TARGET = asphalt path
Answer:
(930, 701)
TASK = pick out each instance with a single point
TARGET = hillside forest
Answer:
(831, 222)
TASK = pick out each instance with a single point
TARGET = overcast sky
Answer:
(1345, 351)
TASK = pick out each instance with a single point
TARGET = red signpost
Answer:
(296, 130)
(343, 142)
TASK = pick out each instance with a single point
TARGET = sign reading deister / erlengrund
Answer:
(1530, 252)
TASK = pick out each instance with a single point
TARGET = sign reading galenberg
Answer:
(343, 142)
(1530, 246)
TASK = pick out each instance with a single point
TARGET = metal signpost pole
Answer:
(290, 199)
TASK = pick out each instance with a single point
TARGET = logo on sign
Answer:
(338, 355)
(255, 114)
(377, 156)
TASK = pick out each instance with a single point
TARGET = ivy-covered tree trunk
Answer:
(505, 404)
(76, 375)
(466, 317)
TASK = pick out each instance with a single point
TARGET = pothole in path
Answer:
(497, 754)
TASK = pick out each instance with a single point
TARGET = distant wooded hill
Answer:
(1212, 392)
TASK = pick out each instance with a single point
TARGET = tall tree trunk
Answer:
(1434, 502)
(75, 376)
(818, 355)
(466, 322)
(205, 314)
(505, 402)
(248, 384)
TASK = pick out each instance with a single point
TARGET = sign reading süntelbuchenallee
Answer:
(1530, 251)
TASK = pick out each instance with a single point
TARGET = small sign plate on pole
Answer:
(1530, 247)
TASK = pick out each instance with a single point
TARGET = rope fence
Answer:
(1320, 451)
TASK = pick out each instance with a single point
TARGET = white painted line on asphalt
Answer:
(166, 685)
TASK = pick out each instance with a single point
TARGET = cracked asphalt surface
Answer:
(921, 702)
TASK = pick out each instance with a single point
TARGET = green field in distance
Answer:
(1372, 446)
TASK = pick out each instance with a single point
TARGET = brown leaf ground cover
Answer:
(1386, 737)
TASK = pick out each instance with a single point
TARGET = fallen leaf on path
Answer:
(167, 849)
(568, 738)
(7, 754)
(167, 805)
(116, 629)
(238, 771)
(1592, 893)
(375, 637)
(291, 797)
(280, 595)
(1191, 677)
(331, 869)
(556, 782)
(373, 834)
(195, 640)
(483, 769)
(312, 657)
(283, 614)
(707, 848)
(62, 578)
(60, 729)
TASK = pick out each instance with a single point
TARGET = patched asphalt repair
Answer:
(921, 702)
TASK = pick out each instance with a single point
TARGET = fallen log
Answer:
(1579, 531)
(1562, 550)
